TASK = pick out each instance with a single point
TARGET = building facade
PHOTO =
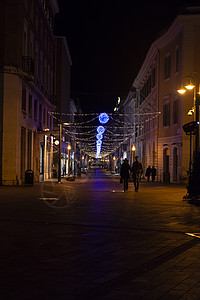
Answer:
(27, 80)
(160, 112)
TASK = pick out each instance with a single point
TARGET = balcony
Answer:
(52, 99)
(28, 67)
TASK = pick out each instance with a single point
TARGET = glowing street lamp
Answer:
(133, 153)
(181, 90)
(133, 148)
(69, 148)
(114, 158)
(196, 99)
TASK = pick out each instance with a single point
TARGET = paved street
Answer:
(86, 239)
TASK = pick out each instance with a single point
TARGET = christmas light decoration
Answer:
(103, 118)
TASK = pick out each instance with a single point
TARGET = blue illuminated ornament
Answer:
(100, 129)
(99, 136)
(98, 142)
(103, 118)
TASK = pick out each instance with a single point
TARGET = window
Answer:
(31, 45)
(36, 20)
(23, 99)
(31, 8)
(175, 164)
(175, 112)
(25, 44)
(23, 151)
(166, 114)
(36, 62)
(41, 29)
(167, 65)
(40, 114)
(153, 77)
(35, 110)
(47, 119)
(177, 60)
(50, 121)
(29, 149)
(44, 115)
(146, 89)
(30, 105)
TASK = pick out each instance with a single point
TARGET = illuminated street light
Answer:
(69, 148)
(189, 86)
(181, 91)
(133, 148)
(196, 99)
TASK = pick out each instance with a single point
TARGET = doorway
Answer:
(166, 174)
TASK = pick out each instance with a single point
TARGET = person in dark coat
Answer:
(153, 173)
(148, 173)
(136, 169)
(125, 173)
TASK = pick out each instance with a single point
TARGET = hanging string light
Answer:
(111, 137)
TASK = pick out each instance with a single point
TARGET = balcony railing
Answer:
(52, 99)
(28, 65)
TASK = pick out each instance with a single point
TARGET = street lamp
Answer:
(194, 77)
(59, 152)
(133, 153)
(69, 148)
(114, 158)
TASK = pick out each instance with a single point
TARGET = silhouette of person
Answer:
(153, 173)
(125, 173)
(136, 169)
(148, 173)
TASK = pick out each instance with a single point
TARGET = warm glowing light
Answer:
(69, 147)
(191, 112)
(133, 148)
(181, 91)
(56, 142)
(189, 86)
(114, 158)
(83, 157)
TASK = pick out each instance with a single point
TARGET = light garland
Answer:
(108, 138)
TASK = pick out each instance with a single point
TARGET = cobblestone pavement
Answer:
(86, 239)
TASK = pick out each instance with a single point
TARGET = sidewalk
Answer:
(86, 239)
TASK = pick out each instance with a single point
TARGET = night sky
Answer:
(108, 41)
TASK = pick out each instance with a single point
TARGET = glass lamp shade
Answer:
(189, 86)
(181, 91)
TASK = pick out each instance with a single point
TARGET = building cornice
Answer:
(175, 29)
(66, 47)
(54, 5)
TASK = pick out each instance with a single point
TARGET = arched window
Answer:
(166, 174)
(175, 163)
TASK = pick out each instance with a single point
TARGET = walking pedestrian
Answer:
(136, 169)
(64, 170)
(148, 173)
(125, 173)
(153, 173)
